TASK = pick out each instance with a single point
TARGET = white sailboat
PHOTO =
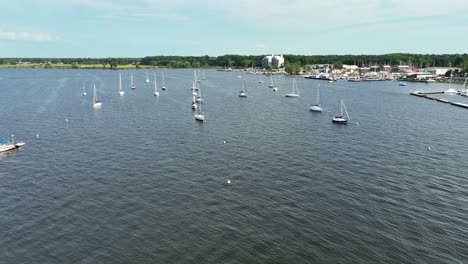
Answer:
(317, 107)
(121, 91)
(147, 79)
(198, 98)
(200, 116)
(195, 81)
(132, 85)
(203, 76)
(450, 89)
(156, 92)
(163, 82)
(96, 103)
(84, 90)
(341, 119)
(295, 90)
(272, 85)
(243, 91)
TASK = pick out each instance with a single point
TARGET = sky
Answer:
(138, 28)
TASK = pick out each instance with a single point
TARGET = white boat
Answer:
(132, 85)
(450, 90)
(147, 79)
(243, 91)
(163, 82)
(464, 90)
(295, 90)
(96, 103)
(402, 84)
(156, 92)
(198, 98)
(271, 85)
(195, 81)
(200, 116)
(341, 119)
(121, 91)
(317, 107)
(6, 146)
(84, 90)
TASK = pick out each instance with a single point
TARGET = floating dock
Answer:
(426, 95)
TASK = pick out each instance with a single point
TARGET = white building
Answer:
(273, 61)
(441, 71)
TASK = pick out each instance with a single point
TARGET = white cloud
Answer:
(27, 36)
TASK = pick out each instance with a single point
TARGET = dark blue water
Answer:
(140, 181)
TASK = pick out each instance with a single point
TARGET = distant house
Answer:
(442, 71)
(420, 76)
(274, 61)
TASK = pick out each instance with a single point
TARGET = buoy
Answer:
(428, 148)
(37, 135)
(224, 141)
(228, 181)
(66, 120)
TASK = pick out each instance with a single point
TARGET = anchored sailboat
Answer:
(132, 85)
(96, 103)
(156, 92)
(243, 91)
(317, 107)
(295, 90)
(163, 82)
(121, 91)
(84, 90)
(341, 119)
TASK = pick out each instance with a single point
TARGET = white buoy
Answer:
(66, 120)
(37, 135)
(428, 148)
(228, 181)
(224, 142)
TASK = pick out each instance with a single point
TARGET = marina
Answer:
(141, 177)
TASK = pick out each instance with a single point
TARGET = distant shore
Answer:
(75, 66)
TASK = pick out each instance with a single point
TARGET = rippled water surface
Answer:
(140, 181)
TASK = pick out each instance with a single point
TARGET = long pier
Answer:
(427, 96)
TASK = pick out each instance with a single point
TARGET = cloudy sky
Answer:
(137, 28)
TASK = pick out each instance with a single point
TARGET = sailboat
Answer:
(272, 85)
(203, 76)
(156, 92)
(243, 91)
(199, 98)
(341, 119)
(295, 90)
(200, 116)
(195, 81)
(163, 82)
(147, 79)
(96, 103)
(132, 85)
(317, 107)
(84, 90)
(121, 91)
(450, 89)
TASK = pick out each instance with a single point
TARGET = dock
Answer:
(426, 95)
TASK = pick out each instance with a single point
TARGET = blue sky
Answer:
(124, 28)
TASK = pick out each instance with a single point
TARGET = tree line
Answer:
(247, 61)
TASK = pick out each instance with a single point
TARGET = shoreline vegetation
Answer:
(293, 62)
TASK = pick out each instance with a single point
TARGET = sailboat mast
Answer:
(155, 83)
(94, 94)
(120, 82)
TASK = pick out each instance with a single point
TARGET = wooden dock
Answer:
(426, 95)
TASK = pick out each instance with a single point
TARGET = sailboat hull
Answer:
(316, 109)
(340, 120)
(291, 95)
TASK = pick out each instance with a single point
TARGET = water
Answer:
(140, 181)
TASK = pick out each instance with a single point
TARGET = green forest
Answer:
(247, 61)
